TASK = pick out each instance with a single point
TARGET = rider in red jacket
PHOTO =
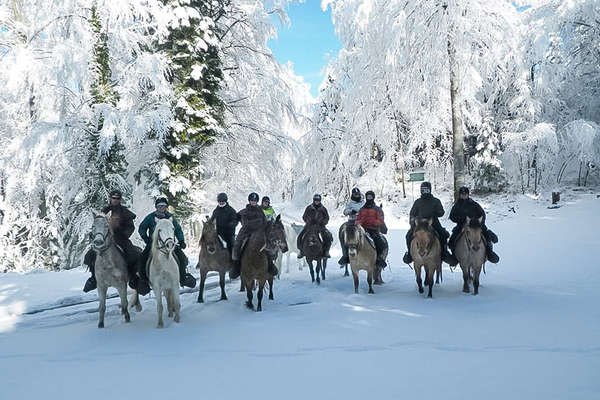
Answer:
(370, 217)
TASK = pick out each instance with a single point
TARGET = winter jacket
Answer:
(251, 217)
(269, 213)
(352, 209)
(316, 215)
(370, 217)
(146, 228)
(428, 206)
(227, 220)
(464, 208)
(121, 221)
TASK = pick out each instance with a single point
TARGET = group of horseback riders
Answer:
(254, 216)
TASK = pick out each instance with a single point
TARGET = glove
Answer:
(147, 240)
(182, 244)
(353, 212)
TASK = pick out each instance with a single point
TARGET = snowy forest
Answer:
(183, 98)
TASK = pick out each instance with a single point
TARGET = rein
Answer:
(162, 244)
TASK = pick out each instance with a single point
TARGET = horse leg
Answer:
(176, 304)
(222, 285)
(242, 286)
(429, 280)
(170, 305)
(476, 281)
(203, 274)
(270, 288)
(159, 305)
(418, 276)
(249, 296)
(261, 288)
(370, 281)
(323, 268)
(465, 279)
(124, 305)
(134, 301)
(438, 275)
(319, 271)
(355, 276)
(102, 306)
(312, 271)
(346, 270)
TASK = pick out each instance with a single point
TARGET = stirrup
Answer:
(407, 258)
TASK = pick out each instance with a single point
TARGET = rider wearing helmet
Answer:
(352, 208)
(316, 214)
(370, 217)
(265, 204)
(226, 219)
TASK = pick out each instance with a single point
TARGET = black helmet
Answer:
(253, 197)
(370, 194)
(425, 188)
(161, 201)
(317, 197)
(463, 190)
(222, 197)
(355, 191)
(116, 194)
(265, 198)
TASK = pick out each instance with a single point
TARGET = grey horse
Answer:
(213, 257)
(470, 252)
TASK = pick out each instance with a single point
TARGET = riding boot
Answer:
(143, 283)
(186, 279)
(90, 261)
(380, 262)
(407, 258)
(273, 271)
(490, 254)
(299, 243)
(133, 277)
(447, 257)
(345, 259)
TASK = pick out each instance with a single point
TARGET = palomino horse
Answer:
(361, 253)
(263, 243)
(111, 267)
(426, 251)
(213, 257)
(163, 272)
(312, 247)
(470, 252)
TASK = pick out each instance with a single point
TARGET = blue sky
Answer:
(308, 42)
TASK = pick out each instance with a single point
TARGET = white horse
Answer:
(164, 273)
(291, 234)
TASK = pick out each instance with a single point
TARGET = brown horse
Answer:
(313, 249)
(213, 257)
(361, 253)
(470, 252)
(426, 251)
(263, 243)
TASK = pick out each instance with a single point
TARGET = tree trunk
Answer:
(458, 139)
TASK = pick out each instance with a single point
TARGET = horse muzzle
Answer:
(98, 243)
(211, 249)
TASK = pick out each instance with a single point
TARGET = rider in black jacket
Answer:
(227, 220)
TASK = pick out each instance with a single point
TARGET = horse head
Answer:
(472, 232)
(424, 236)
(164, 235)
(353, 238)
(276, 235)
(210, 238)
(101, 231)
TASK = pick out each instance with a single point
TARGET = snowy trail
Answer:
(531, 333)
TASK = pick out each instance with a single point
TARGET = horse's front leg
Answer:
(102, 305)
(222, 285)
(355, 276)
(429, 280)
(203, 274)
(346, 270)
(476, 273)
(271, 288)
(159, 305)
(261, 288)
(242, 286)
(323, 267)
(418, 276)
(176, 303)
(465, 271)
(249, 297)
(312, 271)
(319, 271)
(370, 281)
(124, 304)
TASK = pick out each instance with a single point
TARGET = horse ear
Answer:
(480, 219)
(468, 221)
(430, 222)
(278, 218)
(156, 220)
(207, 218)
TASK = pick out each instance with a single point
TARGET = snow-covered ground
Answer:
(532, 333)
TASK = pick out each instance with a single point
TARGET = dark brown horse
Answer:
(213, 257)
(263, 243)
(312, 247)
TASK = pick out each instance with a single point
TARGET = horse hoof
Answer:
(346, 274)
(100, 324)
(258, 309)
(421, 290)
(200, 300)
(465, 290)
(127, 318)
(270, 297)
(250, 305)
(170, 314)
(429, 296)
(371, 291)
(176, 319)
(138, 307)
(223, 297)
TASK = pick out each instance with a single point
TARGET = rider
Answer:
(429, 207)
(146, 229)
(467, 207)
(371, 217)
(121, 221)
(252, 218)
(352, 208)
(226, 220)
(316, 214)
(265, 204)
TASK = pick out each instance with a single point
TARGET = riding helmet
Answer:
(222, 197)
(425, 187)
(355, 194)
(463, 190)
(161, 201)
(370, 195)
(116, 193)
(317, 197)
(265, 198)
(253, 197)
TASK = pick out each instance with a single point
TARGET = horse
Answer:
(111, 267)
(470, 252)
(213, 257)
(291, 234)
(163, 271)
(342, 244)
(426, 251)
(262, 244)
(361, 253)
(312, 247)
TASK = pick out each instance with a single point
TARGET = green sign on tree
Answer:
(416, 176)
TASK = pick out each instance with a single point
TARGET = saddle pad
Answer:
(370, 240)
(223, 242)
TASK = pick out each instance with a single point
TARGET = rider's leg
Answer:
(446, 256)
(407, 257)
(90, 260)
(327, 240)
(185, 278)
(299, 242)
(379, 247)
(235, 254)
(143, 286)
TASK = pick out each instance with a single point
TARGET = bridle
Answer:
(357, 237)
(162, 244)
(104, 236)
(430, 244)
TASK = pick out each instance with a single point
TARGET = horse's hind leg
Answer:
(102, 305)
(249, 296)
(312, 271)
(476, 273)
(222, 285)
(203, 274)
(318, 272)
(465, 280)
(134, 301)
(323, 267)
(355, 276)
(346, 270)
(124, 305)
(438, 275)
(159, 305)
(261, 288)
(176, 304)
(270, 288)
(370, 281)
(429, 280)
(418, 276)
(242, 286)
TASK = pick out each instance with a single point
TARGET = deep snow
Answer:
(533, 331)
